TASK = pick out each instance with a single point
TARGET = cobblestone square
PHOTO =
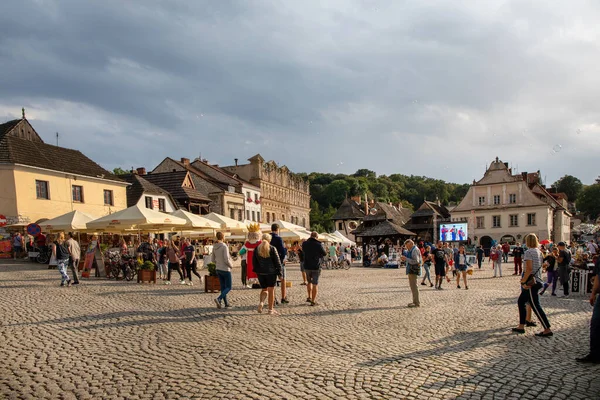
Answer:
(121, 340)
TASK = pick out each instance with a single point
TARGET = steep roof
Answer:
(140, 186)
(172, 182)
(15, 150)
(219, 174)
(7, 127)
(430, 208)
(385, 228)
(387, 212)
(349, 209)
(19, 128)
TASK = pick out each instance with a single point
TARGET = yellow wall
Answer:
(8, 203)
(60, 189)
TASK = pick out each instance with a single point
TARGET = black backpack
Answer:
(62, 251)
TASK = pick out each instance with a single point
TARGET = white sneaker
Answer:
(167, 282)
(190, 283)
(182, 283)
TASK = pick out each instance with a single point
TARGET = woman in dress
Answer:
(267, 266)
(530, 288)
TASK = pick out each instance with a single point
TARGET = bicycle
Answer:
(41, 256)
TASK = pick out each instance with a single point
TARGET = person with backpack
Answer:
(564, 262)
(413, 262)
(60, 251)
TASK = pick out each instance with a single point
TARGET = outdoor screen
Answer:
(453, 232)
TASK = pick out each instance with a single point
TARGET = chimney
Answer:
(141, 171)
(236, 161)
(185, 161)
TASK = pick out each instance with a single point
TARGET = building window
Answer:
(41, 190)
(496, 221)
(340, 226)
(240, 215)
(481, 200)
(496, 200)
(512, 198)
(268, 218)
(149, 204)
(282, 217)
(480, 222)
(514, 220)
(255, 197)
(231, 213)
(254, 216)
(108, 198)
(248, 195)
(304, 222)
(531, 219)
(78, 194)
(258, 216)
(273, 215)
(248, 215)
(161, 205)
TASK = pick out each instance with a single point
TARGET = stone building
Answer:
(284, 195)
(502, 207)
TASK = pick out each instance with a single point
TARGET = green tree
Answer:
(570, 186)
(365, 173)
(588, 202)
(119, 171)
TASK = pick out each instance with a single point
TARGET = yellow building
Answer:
(41, 181)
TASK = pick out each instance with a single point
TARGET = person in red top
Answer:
(40, 241)
(505, 251)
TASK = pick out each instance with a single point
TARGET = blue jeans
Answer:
(62, 268)
(595, 330)
(427, 276)
(225, 282)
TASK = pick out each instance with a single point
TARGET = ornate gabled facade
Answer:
(502, 207)
(284, 195)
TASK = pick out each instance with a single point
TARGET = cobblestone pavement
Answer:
(107, 339)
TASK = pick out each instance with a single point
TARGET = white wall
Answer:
(254, 193)
(169, 206)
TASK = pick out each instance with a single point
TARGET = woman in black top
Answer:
(267, 265)
(550, 264)
(427, 266)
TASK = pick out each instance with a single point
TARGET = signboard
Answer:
(454, 232)
(5, 248)
(34, 229)
(3, 221)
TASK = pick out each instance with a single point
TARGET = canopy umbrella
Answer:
(294, 235)
(288, 226)
(71, 221)
(265, 228)
(342, 239)
(545, 242)
(136, 218)
(226, 223)
(194, 221)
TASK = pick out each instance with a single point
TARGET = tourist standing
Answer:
(313, 252)
(496, 256)
(74, 256)
(413, 270)
(17, 245)
(518, 256)
(163, 260)
(277, 242)
(563, 263)
(505, 251)
(551, 269)
(244, 254)
(61, 254)
(441, 262)
(427, 256)
(189, 257)
(530, 288)
(51, 246)
(594, 354)
(480, 255)
(592, 248)
(222, 260)
(461, 263)
(267, 266)
(173, 259)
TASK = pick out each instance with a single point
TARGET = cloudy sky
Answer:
(435, 88)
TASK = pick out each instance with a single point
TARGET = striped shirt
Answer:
(536, 257)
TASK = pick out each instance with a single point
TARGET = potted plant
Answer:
(146, 272)
(211, 281)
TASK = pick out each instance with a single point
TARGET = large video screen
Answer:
(453, 232)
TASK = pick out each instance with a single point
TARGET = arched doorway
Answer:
(486, 244)
(508, 238)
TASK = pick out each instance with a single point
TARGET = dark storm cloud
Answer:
(437, 88)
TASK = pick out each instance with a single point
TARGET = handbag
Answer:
(415, 268)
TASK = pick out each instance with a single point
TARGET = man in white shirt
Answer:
(74, 256)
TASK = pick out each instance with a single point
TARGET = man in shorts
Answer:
(313, 253)
(440, 260)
